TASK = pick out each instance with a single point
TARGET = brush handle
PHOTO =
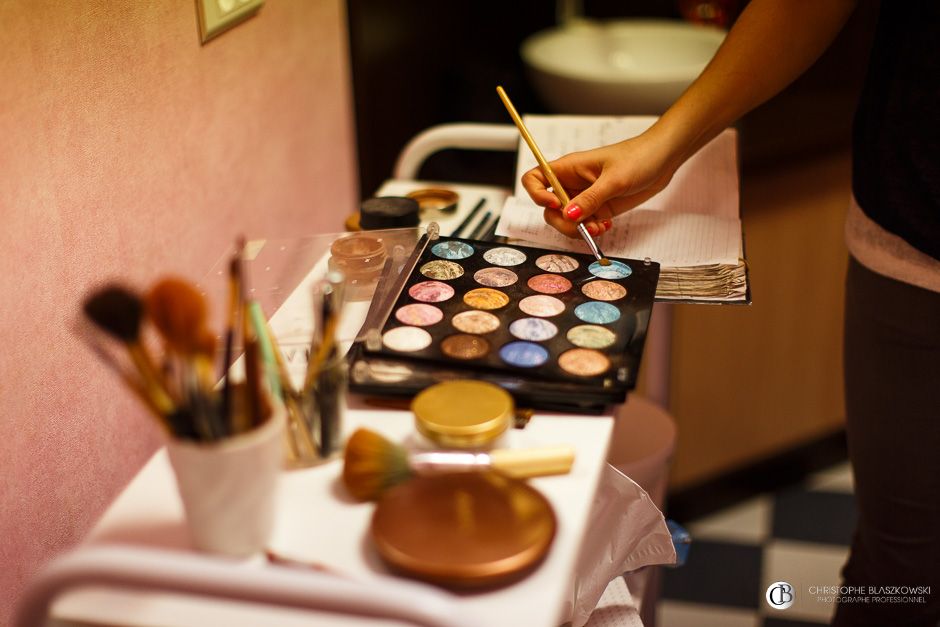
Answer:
(152, 382)
(519, 463)
(557, 189)
(533, 462)
(546, 169)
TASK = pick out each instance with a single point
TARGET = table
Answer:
(318, 523)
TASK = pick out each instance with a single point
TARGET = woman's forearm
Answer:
(770, 45)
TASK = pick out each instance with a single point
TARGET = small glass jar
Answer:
(463, 414)
(360, 258)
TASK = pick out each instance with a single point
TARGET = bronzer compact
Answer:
(557, 330)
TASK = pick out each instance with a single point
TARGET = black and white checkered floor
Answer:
(799, 535)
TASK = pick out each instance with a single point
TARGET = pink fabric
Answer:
(128, 150)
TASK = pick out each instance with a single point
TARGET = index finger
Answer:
(536, 185)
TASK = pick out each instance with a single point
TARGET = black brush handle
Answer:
(466, 221)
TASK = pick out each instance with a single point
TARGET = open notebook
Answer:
(692, 228)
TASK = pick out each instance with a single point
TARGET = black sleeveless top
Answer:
(896, 135)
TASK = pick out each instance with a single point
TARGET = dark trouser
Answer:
(892, 388)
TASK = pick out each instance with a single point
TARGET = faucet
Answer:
(567, 11)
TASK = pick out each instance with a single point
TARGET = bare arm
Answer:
(770, 45)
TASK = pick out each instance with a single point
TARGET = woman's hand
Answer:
(601, 183)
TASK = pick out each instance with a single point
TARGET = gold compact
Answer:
(463, 413)
(463, 530)
(434, 200)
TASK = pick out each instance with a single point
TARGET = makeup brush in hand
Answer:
(374, 464)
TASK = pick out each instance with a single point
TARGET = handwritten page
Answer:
(670, 238)
(706, 183)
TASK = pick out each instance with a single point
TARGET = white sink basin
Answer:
(619, 67)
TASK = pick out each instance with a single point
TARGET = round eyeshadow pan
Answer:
(541, 306)
(452, 250)
(406, 339)
(597, 313)
(584, 362)
(485, 298)
(495, 277)
(465, 346)
(557, 263)
(549, 283)
(441, 270)
(591, 336)
(389, 372)
(604, 290)
(616, 270)
(476, 322)
(533, 329)
(524, 354)
(419, 315)
(504, 256)
(431, 291)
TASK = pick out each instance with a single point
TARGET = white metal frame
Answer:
(188, 573)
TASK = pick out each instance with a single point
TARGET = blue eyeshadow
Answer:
(524, 354)
(616, 270)
(452, 250)
(597, 313)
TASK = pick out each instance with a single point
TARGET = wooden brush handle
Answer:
(533, 462)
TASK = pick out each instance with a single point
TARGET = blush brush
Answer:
(374, 464)
(179, 312)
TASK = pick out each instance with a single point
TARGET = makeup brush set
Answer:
(194, 400)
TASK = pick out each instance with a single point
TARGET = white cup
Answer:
(229, 487)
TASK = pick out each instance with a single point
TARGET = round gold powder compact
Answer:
(463, 530)
(463, 413)
(434, 202)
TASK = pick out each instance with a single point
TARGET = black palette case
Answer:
(554, 374)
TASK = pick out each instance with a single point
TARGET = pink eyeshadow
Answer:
(549, 283)
(431, 291)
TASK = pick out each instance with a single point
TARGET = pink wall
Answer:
(128, 150)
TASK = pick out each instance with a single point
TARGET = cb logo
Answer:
(780, 595)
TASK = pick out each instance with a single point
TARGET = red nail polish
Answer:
(608, 224)
(573, 212)
(592, 229)
(554, 204)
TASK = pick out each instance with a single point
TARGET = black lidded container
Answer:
(388, 212)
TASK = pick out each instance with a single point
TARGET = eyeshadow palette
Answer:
(557, 330)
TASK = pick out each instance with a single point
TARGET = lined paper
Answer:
(670, 238)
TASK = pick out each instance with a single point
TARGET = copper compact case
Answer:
(463, 530)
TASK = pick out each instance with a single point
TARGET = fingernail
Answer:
(573, 212)
(554, 204)
(592, 229)
(607, 224)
